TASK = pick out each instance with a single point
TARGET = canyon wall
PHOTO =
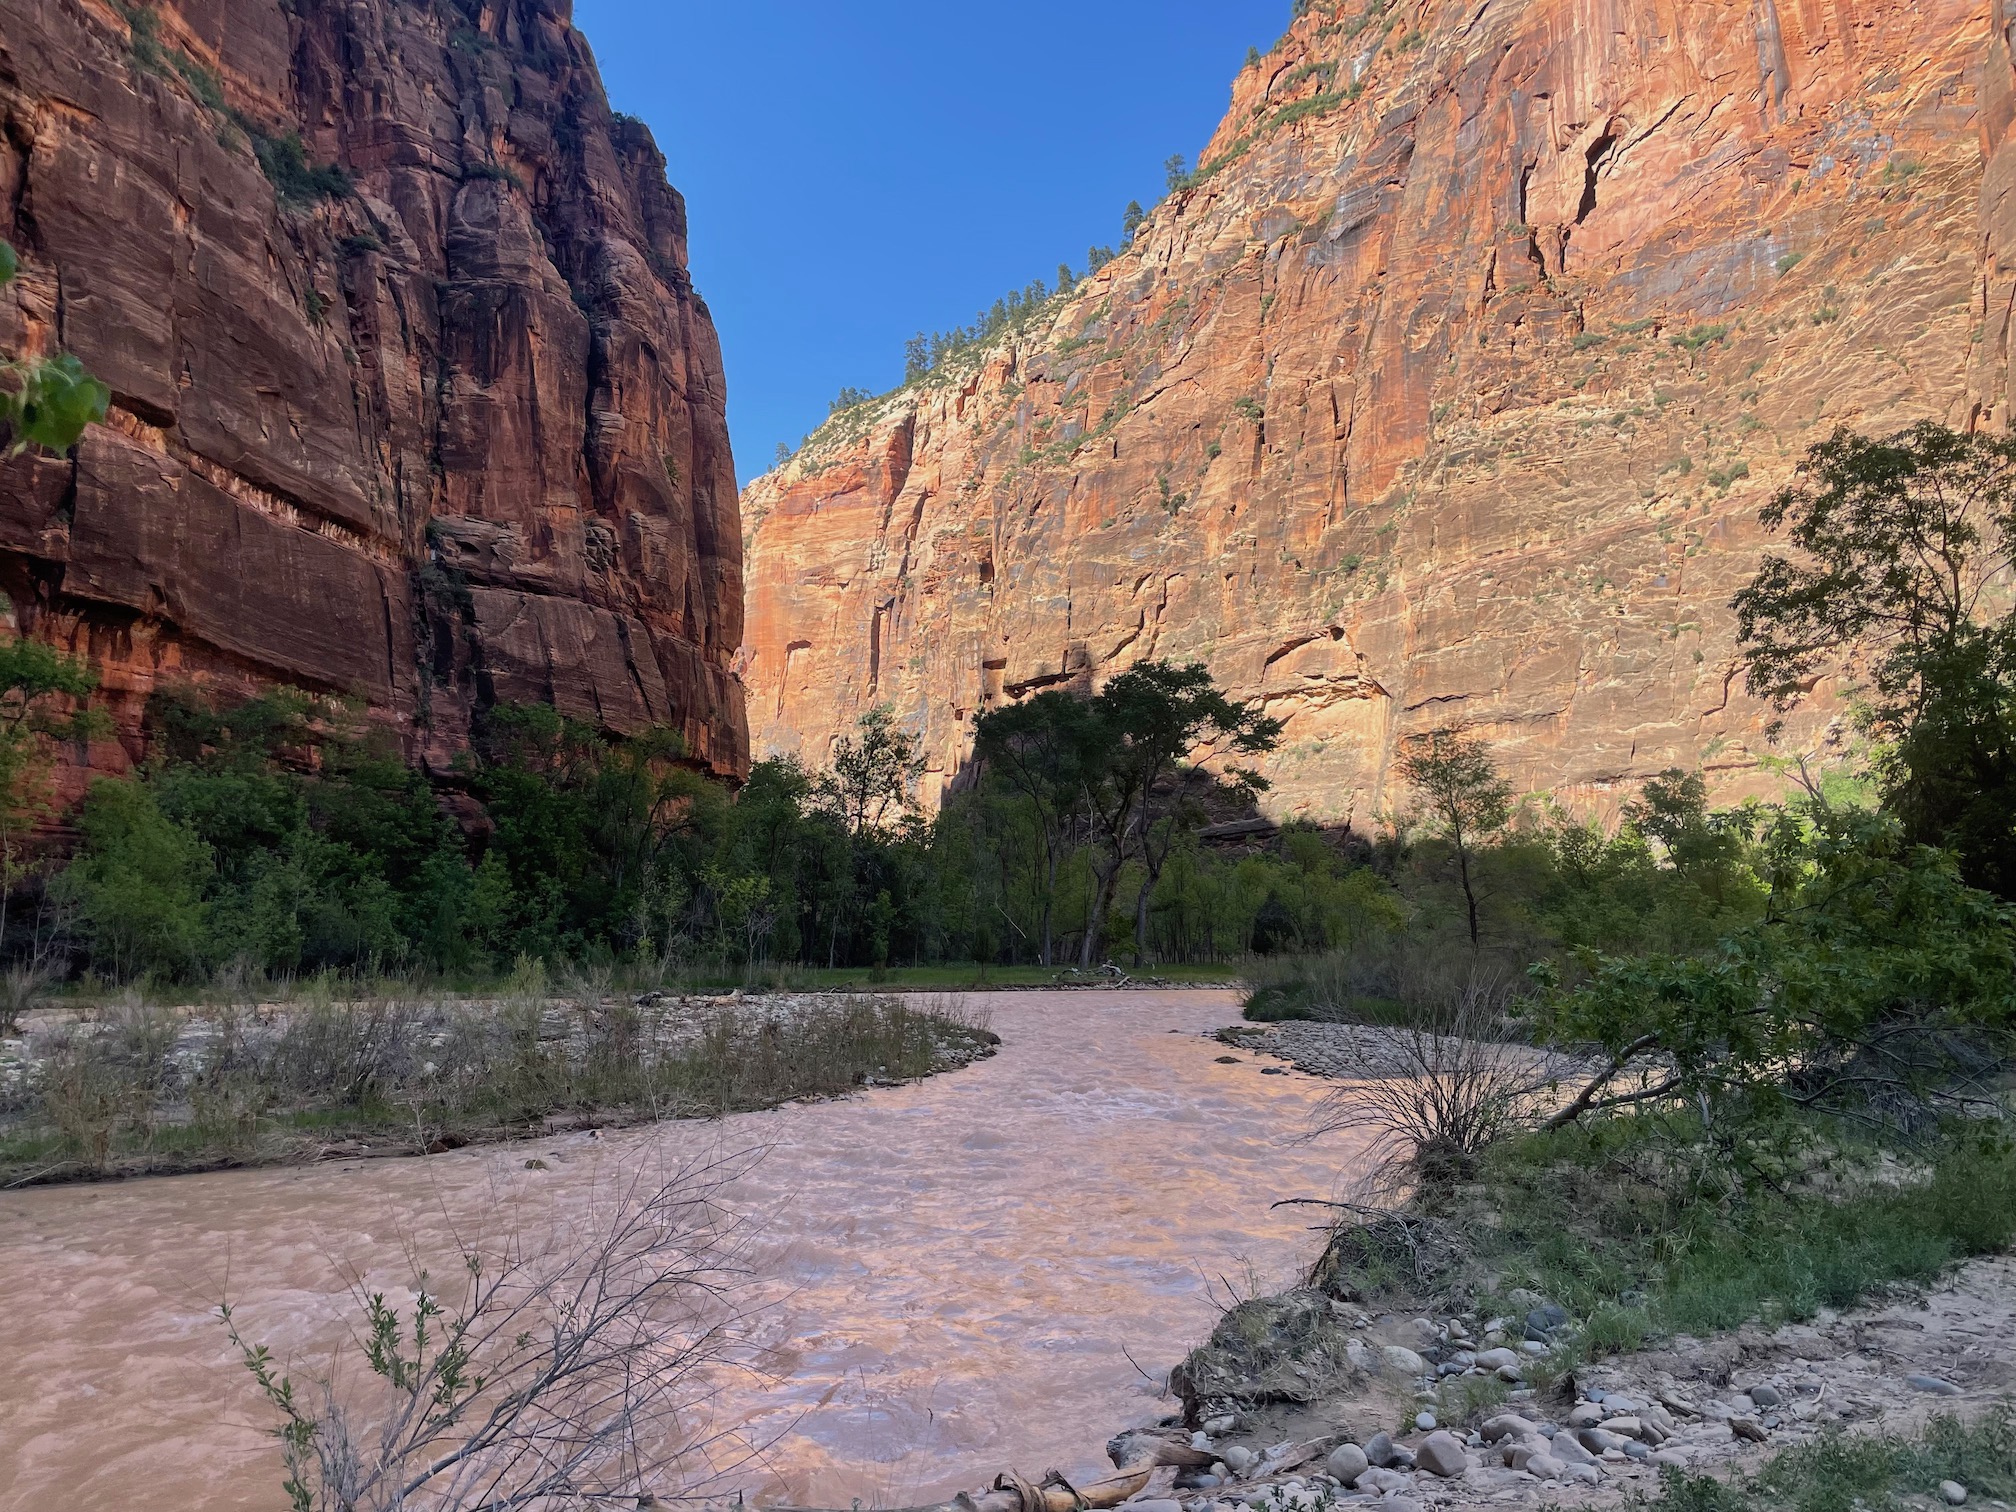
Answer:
(1448, 396)
(413, 401)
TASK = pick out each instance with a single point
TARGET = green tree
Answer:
(1902, 544)
(874, 770)
(138, 883)
(1463, 799)
(1131, 220)
(35, 681)
(1043, 750)
(1156, 724)
(49, 401)
(1873, 963)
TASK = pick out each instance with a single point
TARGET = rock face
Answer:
(442, 429)
(1448, 397)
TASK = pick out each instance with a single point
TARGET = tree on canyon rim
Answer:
(1905, 551)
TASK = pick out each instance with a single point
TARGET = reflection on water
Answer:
(957, 1272)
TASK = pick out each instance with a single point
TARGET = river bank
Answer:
(135, 1089)
(1414, 1373)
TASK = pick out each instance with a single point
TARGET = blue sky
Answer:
(857, 170)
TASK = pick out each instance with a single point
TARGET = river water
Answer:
(959, 1275)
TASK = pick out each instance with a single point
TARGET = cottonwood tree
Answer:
(1127, 768)
(873, 773)
(1901, 582)
(1043, 751)
(1162, 723)
(1463, 799)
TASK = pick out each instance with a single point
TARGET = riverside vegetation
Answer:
(1789, 1030)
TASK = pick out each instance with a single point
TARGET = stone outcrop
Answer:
(413, 400)
(1447, 397)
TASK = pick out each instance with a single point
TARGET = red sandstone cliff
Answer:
(455, 437)
(1448, 397)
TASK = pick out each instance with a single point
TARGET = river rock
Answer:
(1398, 1357)
(1519, 1455)
(1238, 1458)
(1384, 1481)
(1597, 1441)
(1379, 1450)
(1547, 1467)
(1564, 1448)
(1533, 1347)
(1347, 1462)
(1588, 1474)
(1442, 1454)
(1765, 1395)
(1932, 1384)
(1585, 1415)
(1547, 1318)
(1953, 1492)
(1425, 1421)
(1505, 1425)
(1623, 1427)
(1497, 1359)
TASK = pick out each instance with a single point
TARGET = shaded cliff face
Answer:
(455, 437)
(1448, 398)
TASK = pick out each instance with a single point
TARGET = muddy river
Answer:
(977, 1271)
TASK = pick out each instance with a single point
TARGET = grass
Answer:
(1852, 1473)
(1278, 1003)
(137, 1092)
(719, 977)
(1642, 1227)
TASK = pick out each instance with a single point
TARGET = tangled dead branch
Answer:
(1457, 1086)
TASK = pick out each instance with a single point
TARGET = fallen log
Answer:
(1136, 1457)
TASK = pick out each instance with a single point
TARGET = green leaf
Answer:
(9, 264)
(59, 398)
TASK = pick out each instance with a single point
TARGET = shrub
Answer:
(284, 160)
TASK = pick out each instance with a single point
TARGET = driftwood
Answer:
(1136, 1457)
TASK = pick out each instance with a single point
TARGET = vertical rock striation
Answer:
(1447, 396)
(413, 400)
